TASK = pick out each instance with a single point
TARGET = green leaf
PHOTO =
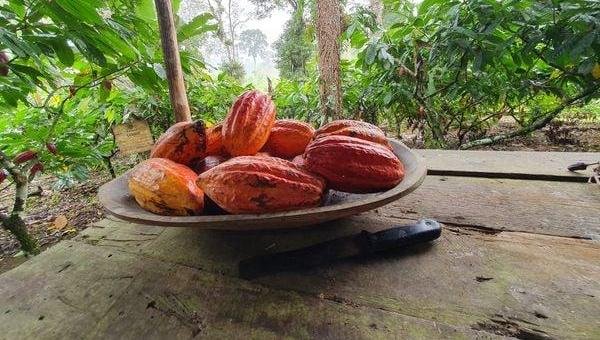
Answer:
(63, 51)
(146, 10)
(196, 26)
(85, 10)
(90, 51)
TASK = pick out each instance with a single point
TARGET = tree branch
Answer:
(537, 124)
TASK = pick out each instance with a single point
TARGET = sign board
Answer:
(133, 137)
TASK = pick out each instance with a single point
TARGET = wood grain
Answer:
(544, 207)
(168, 38)
(508, 164)
(183, 281)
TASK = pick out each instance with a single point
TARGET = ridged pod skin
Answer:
(209, 162)
(183, 143)
(289, 138)
(214, 140)
(164, 187)
(354, 128)
(255, 184)
(248, 124)
(353, 165)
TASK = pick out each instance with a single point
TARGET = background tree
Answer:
(329, 30)
(294, 48)
(254, 43)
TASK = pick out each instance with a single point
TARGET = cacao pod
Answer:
(248, 124)
(209, 162)
(164, 187)
(289, 138)
(353, 165)
(255, 184)
(3, 175)
(184, 143)
(354, 128)
(3, 70)
(37, 167)
(214, 140)
(25, 156)
(51, 147)
(298, 160)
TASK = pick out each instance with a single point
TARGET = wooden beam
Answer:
(168, 37)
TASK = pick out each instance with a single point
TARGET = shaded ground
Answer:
(79, 204)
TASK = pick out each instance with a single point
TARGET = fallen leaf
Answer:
(60, 222)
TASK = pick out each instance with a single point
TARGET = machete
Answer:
(362, 244)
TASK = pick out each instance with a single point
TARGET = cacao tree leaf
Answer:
(63, 51)
(84, 10)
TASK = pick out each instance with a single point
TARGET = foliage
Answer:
(69, 70)
(234, 69)
(294, 46)
(455, 67)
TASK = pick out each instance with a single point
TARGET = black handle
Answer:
(424, 230)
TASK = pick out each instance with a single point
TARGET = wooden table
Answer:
(516, 258)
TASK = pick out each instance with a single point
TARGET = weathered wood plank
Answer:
(506, 283)
(544, 207)
(508, 164)
(106, 294)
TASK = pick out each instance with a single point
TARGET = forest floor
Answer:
(53, 214)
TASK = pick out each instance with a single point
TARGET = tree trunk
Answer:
(168, 37)
(14, 222)
(329, 29)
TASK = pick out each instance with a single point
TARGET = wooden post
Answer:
(168, 37)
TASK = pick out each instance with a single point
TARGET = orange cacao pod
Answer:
(248, 124)
(353, 165)
(184, 143)
(289, 138)
(164, 187)
(353, 128)
(256, 184)
(214, 140)
(209, 162)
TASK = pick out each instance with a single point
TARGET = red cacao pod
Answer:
(289, 138)
(25, 156)
(353, 165)
(214, 140)
(3, 175)
(4, 70)
(164, 187)
(4, 58)
(51, 147)
(37, 167)
(255, 184)
(248, 124)
(184, 143)
(209, 162)
(353, 128)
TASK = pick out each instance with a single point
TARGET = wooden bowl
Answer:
(117, 200)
